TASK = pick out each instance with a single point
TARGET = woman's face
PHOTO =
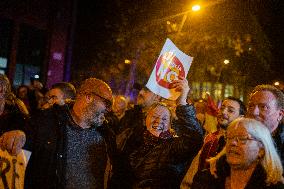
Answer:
(243, 151)
(158, 120)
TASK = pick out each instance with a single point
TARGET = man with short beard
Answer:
(231, 109)
(71, 148)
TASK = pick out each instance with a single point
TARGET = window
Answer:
(206, 88)
(217, 93)
(195, 90)
(229, 90)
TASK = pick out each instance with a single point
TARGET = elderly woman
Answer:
(154, 158)
(250, 161)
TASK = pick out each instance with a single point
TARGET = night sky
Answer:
(97, 21)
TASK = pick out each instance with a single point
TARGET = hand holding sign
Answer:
(171, 65)
(13, 141)
(181, 85)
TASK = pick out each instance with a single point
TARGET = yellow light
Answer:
(168, 22)
(277, 83)
(226, 61)
(196, 8)
(126, 61)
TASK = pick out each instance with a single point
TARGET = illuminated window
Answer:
(217, 93)
(229, 90)
(195, 90)
(206, 88)
(3, 62)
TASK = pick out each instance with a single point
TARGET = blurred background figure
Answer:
(200, 108)
(251, 160)
(60, 93)
(22, 94)
(12, 110)
(120, 104)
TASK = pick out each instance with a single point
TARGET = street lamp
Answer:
(277, 83)
(226, 61)
(194, 8)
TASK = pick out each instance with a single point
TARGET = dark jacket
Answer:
(278, 138)
(11, 119)
(163, 165)
(46, 140)
(205, 180)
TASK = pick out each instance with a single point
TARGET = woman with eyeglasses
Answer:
(250, 161)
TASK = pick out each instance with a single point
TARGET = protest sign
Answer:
(171, 64)
(12, 170)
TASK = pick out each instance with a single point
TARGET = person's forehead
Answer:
(55, 91)
(262, 97)
(231, 103)
(160, 110)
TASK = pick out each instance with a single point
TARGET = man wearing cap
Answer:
(71, 148)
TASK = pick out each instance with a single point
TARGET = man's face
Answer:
(158, 120)
(146, 98)
(119, 106)
(95, 111)
(23, 93)
(56, 96)
(230, 110)
(262, 106)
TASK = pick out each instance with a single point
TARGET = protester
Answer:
(231, 109)
(119, 106)
(71, 148)
(266, 104)
(60, 93)
(145, 99)
(157, 160)
(22, 94)
(251, 160)
(12, 111)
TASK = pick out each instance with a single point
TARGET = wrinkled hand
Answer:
(181, 85)
(13, 141)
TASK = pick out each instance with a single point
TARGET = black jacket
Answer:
(278, 138)
(204, 179)
(46, 139)
(11, 119)
(163, 166)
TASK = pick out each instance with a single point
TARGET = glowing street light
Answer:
(226, 61)
(277, 83)
(126, 61)
(195, 8)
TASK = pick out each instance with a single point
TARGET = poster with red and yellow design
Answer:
(171, 65)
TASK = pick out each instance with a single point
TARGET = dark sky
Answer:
(96, 19)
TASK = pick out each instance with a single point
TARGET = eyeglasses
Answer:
(105, 101)
(239, 139)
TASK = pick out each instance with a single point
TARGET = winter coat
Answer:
(205, 180)
(278, 138)
(163, 165)
(46, 139)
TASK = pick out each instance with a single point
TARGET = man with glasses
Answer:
(71, 148)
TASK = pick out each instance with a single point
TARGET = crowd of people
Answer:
(87, 137)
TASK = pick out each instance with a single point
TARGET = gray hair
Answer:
(271, 161)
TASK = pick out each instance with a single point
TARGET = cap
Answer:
(97, 87)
